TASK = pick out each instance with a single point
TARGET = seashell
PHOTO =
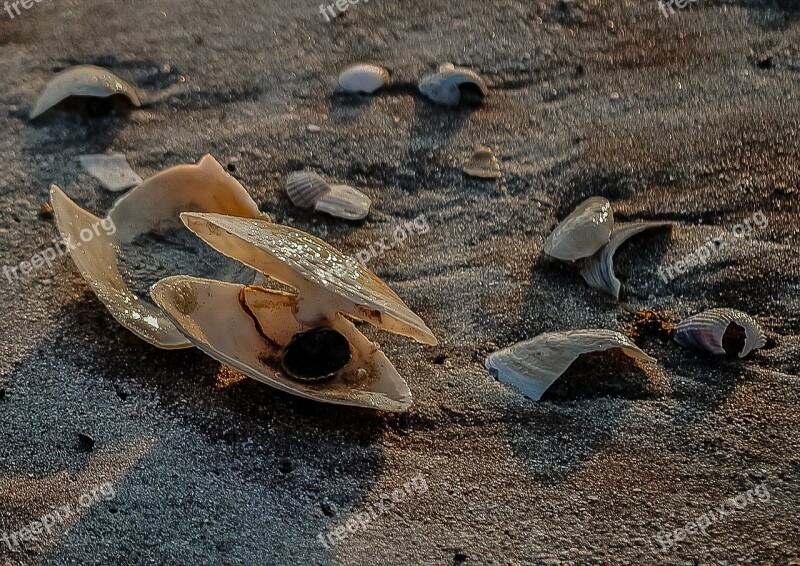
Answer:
(152, 207)
(583, 232)
(111, 170)
(721, 332)
(254, 330)
(483, 164)
(327, 281)
(533, 366)
(305, 188)
(598, 269)
(84, 80)
(363, 77)
(451, 85)
(344, 202)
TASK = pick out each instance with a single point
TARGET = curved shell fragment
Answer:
(111, 170)
(328, 282)
(84, 80)
(451, 85)
(153, 206)
(248, 328)
(533, 366)
(305, 188)
(721, 331)
(483, 164)
(583, 232)
(598, 269)
(363, 78)
(344, 202)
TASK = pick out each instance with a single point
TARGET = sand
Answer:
(690, 118)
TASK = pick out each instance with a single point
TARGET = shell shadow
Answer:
(306, 456)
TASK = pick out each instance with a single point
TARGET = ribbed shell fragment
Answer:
(721, 331)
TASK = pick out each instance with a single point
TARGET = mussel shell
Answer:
(448, 84)
(363, 78)
(721, 331)
(586, 230)
(305, 188)
(84, 80)
(532, 366)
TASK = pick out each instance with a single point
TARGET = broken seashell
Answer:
(363, 77)
(721, 331)
(598, 269)
(151, 208)
(111, 170)
(254, 330)
(483, 164)
(305, 188)
(583, 232)
(451, 85)
(84, 80)
(344, 202)
(327, 281)
(533, 366)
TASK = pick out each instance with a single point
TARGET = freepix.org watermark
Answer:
(15, 273)
(46, 523)
(333, 10)
(668, 6)
(360, 521)
(13, 8)
(712, 247)
(400, 235)
(728, 507)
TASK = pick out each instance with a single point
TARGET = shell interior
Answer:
(121, 260)
(531, 367)
(112, 171)
(363, 78)
(328, 282)
(721, 331)
(448, 85)
(344, 202)
(598, 269)
(583, 232)
(250, 328)
(84, 80)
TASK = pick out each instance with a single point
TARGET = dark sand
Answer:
(691, 118)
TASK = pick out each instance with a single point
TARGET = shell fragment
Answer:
(363, 78)
(583, 232)
(344, 202)
(452, 85)
(112, 171)
(483, 164)
(721, 331)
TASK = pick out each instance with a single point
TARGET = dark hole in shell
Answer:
(734, 339)
(316, 354)
(471, 94)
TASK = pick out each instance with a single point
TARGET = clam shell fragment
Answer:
(152, 207)
(583, 232)
(112, 171)
(598, 269)
(363, 78)
(251, 328)
(84, 80)
(483, 164)
(327, 281)
(452, 85)
(531, 367)
(305, 188)
(344, 202)
(721, 331)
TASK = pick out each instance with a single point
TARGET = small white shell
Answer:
(83, 80)
(344, 202)
(248, 328)
(328, 282)
(305, 188)
(721, 332)
(583, 232)
(598, 269)
(363, 78)
(111, 170)
(483, 164)
(533, 366)
(445, 86)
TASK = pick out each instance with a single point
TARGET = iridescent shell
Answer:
(721, 331)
